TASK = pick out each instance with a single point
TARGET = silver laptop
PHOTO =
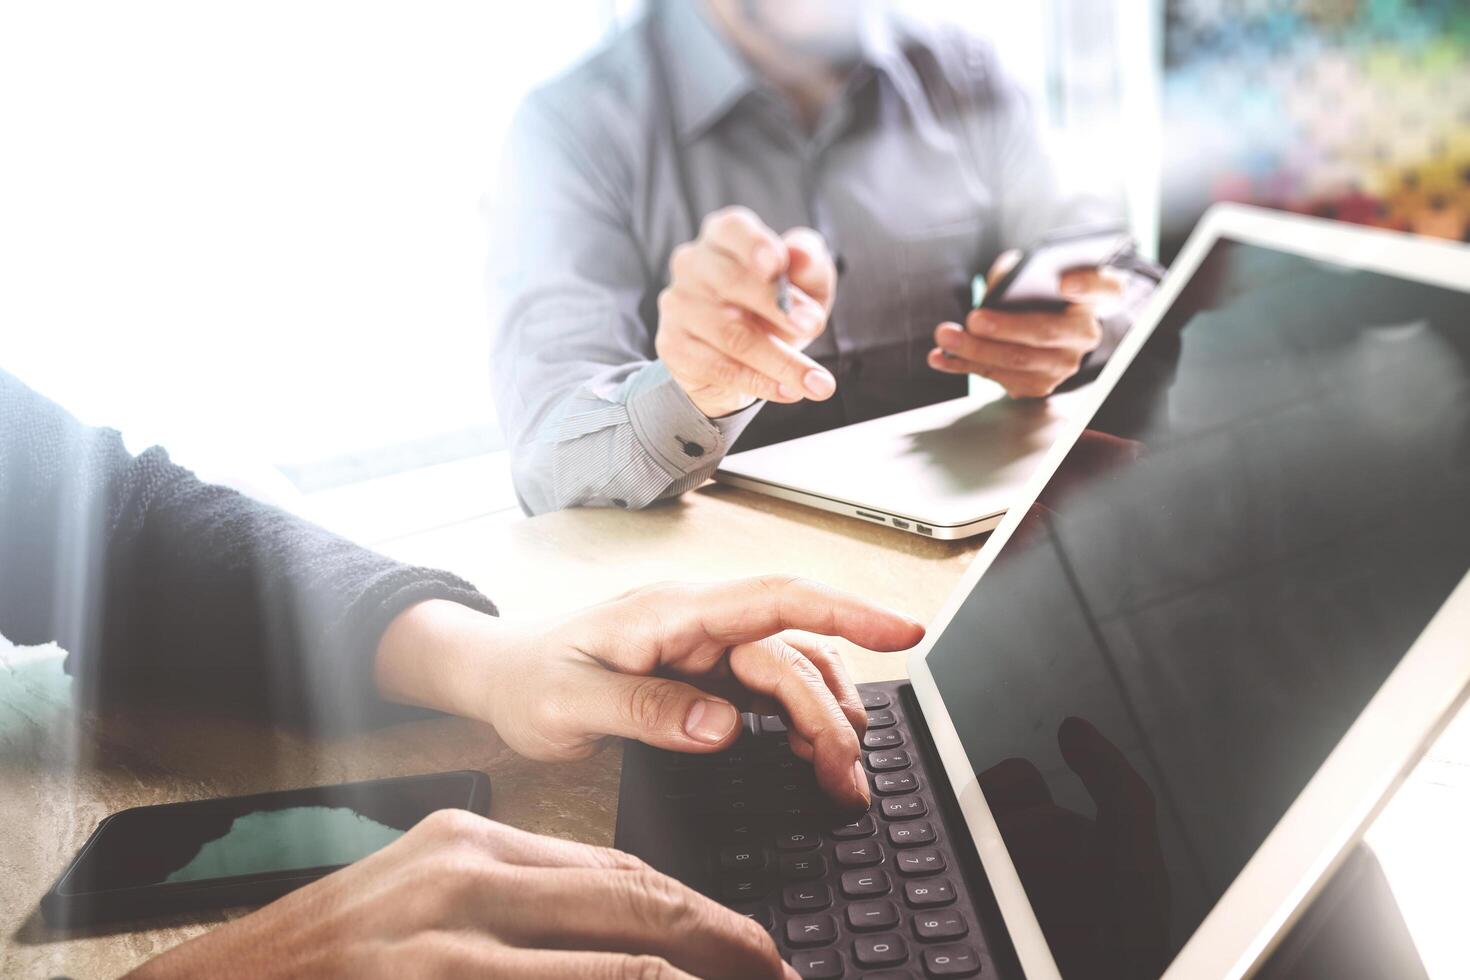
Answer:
(1220, 623)
(943, 471)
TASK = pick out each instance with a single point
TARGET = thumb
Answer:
(663, 713)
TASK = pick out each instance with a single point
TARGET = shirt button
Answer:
(693, 449)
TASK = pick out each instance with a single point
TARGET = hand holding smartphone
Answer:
(1034, 281)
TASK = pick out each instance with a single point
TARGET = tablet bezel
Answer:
(1378, 750)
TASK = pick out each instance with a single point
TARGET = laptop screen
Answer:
(1267, 510)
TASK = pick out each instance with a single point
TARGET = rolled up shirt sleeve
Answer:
(593, 418)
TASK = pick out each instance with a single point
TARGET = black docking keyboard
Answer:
(893, 893)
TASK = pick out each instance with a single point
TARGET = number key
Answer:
(889, 759)
(944, 924)
(924, 861)
(904, 808)
(881, 719)
(951, 961)
(921, 894)
(896, 782)
(883, 738)
(873, 700)
(911, 834)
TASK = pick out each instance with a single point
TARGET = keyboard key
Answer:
(881, 719)
(883, 738)
(772, 725)
(803, 866)
(944, 924)
(889, 975)
(896, 782)
(759, 911)
(951, 961)
(872, 700)
(738, 887)
(806, 898)
(735, 831)
(861, 827)
(922, 894)
(819, 965)
(863, 884)
(885, 949)
(872, 915)
(735, 806)
(742, 858)
(904, 808)
(911, 834)
(811, 930)
(858, 853)
(924, 861)
(798, 840)
(889, 759)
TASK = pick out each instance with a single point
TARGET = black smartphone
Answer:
(1035, 280)
(243, 850)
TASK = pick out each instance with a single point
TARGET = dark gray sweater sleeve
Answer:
(160, 587)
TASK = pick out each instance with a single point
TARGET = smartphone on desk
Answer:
(1035, 280)
(243, 850)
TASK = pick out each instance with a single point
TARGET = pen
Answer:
(783, 294)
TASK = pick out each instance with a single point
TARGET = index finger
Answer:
(741, 233)
(755, 608)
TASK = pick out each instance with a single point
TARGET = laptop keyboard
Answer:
(879, 896)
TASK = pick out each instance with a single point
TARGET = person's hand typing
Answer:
(721, 332)
(1027, 352)
(670, 665)
(462, 896)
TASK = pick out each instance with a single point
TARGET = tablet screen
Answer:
(1267, 510)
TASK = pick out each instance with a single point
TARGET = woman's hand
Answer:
(462, 896)
(670, 665)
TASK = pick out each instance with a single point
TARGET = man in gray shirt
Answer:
(640, 291)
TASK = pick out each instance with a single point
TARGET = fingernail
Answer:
(860, 781)
(786, 391)
(818, 383)
(947, 336)
(710, 721)
(766, 262)
(806, 318)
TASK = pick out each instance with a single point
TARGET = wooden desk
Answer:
(61, 773)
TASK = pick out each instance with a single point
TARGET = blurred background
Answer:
(285, 198)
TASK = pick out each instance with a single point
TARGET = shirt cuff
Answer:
(672, 430)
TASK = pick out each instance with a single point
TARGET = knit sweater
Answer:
(161, 587)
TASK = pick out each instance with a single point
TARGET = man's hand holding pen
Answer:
(741, 304)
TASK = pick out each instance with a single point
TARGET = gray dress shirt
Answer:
(918, 175)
